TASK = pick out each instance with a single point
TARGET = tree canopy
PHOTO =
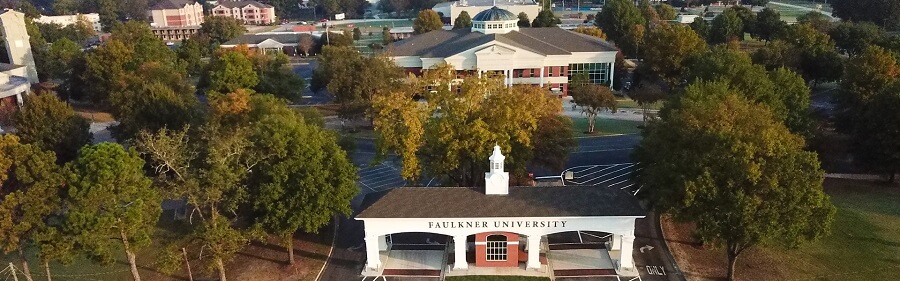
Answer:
(667, 48)
(545, 18)
(881, 12)
(339, 72)
(768, 25)
(463, 20)
(724, 163)
(853, 38)
(876, 132)
(428, 20)
(220, 29)
(523, 20)
(726, 26)
(618, 20)
(53, 125)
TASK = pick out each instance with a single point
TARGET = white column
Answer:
(542, 76)
(626, 260)
(534, 252)
(373, 259)
(459, 251)
(612, 68)
(616, 241)
(382, 243)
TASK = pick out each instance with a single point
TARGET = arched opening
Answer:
(496, 248)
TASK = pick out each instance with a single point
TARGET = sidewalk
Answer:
(629, 114)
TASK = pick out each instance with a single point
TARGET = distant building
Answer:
(93, 19)
(176, 13)
(452, 9)
(270, 43)
(175, 20)
(17, 76)
(547, 57)
(251, 12)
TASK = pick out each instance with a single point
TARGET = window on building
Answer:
(496, 248)
(532, 72)
(598, 73)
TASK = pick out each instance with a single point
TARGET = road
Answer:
(597, 160)
(304, 68)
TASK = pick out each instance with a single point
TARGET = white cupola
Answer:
(495, 21)
(496, 181)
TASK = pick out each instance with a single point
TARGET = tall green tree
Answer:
(667, 48)
(866, 75)
(768, 25)
(884, 13)
(453, 144)
(220, 29)
(701, 27)
(463, 20)
(523, 20)
(726, 26)
(276, 77)
(307, 178)
(53, 125)
(545, 18)
(191, 53)
(666, 12)
(795, 96)
(229, 71)
(618, 19)
(111, 203)
(157, 96)
(60, 55)
(853, 38)
(817, 20)
(876, 133)
(31, 184)
(428, 20)
(354, 90)
(646, 94)
(725, 164)
(648, 12)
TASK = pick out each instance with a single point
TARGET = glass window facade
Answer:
(598, 73)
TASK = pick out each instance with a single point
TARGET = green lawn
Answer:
(495, 278)
(865, 238)
(630, 103)
(605, 127)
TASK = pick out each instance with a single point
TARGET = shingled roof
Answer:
(251, 39)
(543, 40)
(171, 4)
(241, 4)
(454, 202)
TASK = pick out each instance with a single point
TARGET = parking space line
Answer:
(578, 177)
(380, 177)
(625, 174)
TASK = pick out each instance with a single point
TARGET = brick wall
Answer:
(512, 250)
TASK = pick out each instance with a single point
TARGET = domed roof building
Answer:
(495, 20)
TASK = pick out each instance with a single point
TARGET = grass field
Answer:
(864, 243)
(630, 103)
(605, 127)
(495, 278)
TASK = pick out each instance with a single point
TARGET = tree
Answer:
(768, 25)
(592, 31)
(875, 135)
(276, 77)
(646, 94)
(618, 19)
(428, 20)
(386, 37)
(817, 20)
(306, 180)
(554, 139)
(648, 12)
(776, 54)
(110, 200)
(229, 71)
(157, 96)
(725, 164)
(31, 184)
(53, 125)
(726, 26)
(594, 99)
(818, 59)
(701, 27)
(191, 53)
(108, 12)
(866, 75)
(667, 49)
(354, 90)
(463, 20)
(305, 44)
(880, 12)
(666, 12)
(450, 134)
(59, 57)
(795, 96)
(220, 29)
(523, 20)
(853, 38)
(545, 18)
(357, 34)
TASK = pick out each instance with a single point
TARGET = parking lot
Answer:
(612, 175)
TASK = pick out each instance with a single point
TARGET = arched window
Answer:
(496, 248)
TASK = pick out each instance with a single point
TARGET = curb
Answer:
(662, 232)
(334, 235)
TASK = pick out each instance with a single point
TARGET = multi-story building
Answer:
(17, 76)
(177, 13)
(251, 12)
(450, 10)
(174, 20)
(547, 56)
(92, 19)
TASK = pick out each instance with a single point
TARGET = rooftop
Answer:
(241, 4)
(494, 14)
(289, 38)
(458, 202)
(171, 4)
(487, 3)
(543, 40)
